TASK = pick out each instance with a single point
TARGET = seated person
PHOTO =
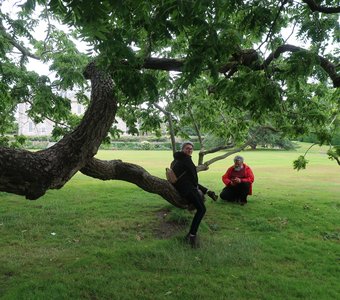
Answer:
(188, 187)
(238, 180)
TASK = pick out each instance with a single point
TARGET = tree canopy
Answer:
(225, 67)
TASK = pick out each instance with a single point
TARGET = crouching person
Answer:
(188, 187)
(238, 182)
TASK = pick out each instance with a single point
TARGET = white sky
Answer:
(10, 6)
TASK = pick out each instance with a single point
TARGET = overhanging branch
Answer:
(25, 52)
(165, 64)
(246, 57)
(271, 29)
(329, 67)
(203, 152)
(320, 8)
(216, 149)
(205, 166)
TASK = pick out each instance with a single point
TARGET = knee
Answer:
(224, 194)
(245, 186)
(202, 210)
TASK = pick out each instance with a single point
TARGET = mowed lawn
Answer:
(111, 240)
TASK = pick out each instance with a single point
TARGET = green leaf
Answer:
(300, 163)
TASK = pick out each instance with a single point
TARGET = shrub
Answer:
(145, 145)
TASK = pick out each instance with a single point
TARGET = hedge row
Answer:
(115, 145)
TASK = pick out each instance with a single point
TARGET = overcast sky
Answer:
(10, 6)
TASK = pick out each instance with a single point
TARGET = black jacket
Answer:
(183, 164)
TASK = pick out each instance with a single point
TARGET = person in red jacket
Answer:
(238, 182)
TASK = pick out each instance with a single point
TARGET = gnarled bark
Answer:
(32, 173)
(119, 170)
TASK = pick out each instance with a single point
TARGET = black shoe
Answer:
(212, 195)
(243, 202)
(192, 240)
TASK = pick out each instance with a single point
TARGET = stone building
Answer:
(27, 127)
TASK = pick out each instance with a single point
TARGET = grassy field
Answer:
(111, 240)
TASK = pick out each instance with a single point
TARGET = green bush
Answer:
(145, 145)
(123, 143)
(36, 144)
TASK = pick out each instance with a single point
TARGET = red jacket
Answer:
(249, 177)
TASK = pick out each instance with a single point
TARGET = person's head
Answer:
(187, 148)
(238, 161)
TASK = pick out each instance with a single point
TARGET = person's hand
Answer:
(237, 180)
(212, 195)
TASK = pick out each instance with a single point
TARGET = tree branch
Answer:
(203, 152)
(205, 166)
(32, 173)
(49, 25)
(320, 8)
(25, 52)
(171, 126)
(196, 126)
(329, 68)
(336, 158)
(273, 24)
(216, 149)
(118, 170)
(165, 64)
(50, 119)
(246, 57)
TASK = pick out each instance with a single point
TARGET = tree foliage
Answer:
(235, 67)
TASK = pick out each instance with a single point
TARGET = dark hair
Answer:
(238, 157)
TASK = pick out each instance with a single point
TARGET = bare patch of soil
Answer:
(164, 228)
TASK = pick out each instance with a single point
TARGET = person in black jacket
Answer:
(188, 187)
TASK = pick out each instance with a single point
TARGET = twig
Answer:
(273, 24)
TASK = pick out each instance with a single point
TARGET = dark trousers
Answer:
(236, 193)
(197, 200)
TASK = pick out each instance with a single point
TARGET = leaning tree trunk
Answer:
(32, 173)
(118, 170)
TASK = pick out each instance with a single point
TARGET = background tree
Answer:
(238, 46)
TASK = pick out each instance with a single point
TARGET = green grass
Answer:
(101, 240)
